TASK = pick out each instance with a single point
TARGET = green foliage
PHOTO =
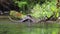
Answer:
(45, 10)
(36, 11)
(39, 11)
(21, 3)
(41, 8)
(28, 3)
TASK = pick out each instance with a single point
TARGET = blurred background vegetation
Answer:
(38, 8)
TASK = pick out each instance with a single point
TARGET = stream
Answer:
(8, 27)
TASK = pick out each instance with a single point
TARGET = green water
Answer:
(8, 27)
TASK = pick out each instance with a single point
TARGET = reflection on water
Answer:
(7, 27)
